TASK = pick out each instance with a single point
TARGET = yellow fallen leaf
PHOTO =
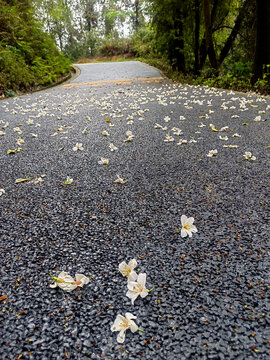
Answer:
(213, 128)
(14, 151)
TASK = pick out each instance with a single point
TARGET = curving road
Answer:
(211, 295)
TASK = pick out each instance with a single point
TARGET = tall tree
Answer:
(197, 36)
(208, 34)
(235, 31)
(90, 14)
(262, 52)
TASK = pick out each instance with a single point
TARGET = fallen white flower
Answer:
(20, 141)
(2, 191)
(119, 180)
(122, 324)
(18, 130)
(187, 226)
(112, 147)
(177, 131)
(137, 288)
(37, 180)
(104, 161)
(105, 133)
(224, 128)
(212, 153)
(169, 138)
(248, 156)
(129, 139)
(67, 283)
(126, 269)
(230, 146)
(20, 180)
(129, 133)
(78, 146)
(181, 141)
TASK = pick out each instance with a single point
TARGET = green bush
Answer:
(113, 47)
(28, 56)
(143, 42)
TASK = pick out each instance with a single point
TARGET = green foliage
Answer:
(113, 47)
(143, 42)
(28, 56)
(238, 69)
(89, 47)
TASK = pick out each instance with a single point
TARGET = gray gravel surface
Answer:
(115, 71)
(211, 296)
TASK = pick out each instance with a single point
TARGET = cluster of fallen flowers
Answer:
(164, 96)
(136, 287)
(135, 284)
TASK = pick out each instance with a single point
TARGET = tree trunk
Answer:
(179, 45)
(208, 34)
(262, 51)
(203, 49)
(136, 24)
(228, 44)
(176, 43)
(197, 36)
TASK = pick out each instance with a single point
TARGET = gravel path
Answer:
(211, 295)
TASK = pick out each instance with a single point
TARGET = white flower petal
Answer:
(130, 316)
(183, 233)
(121, 336)
(183, 220)
(132, 263)
(116, 325)
(142, 279)
(133, 327)
(84, 279)
(133, 276)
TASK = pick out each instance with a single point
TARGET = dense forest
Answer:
(212, 42)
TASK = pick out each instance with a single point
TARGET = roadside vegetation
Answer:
(29, 57)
